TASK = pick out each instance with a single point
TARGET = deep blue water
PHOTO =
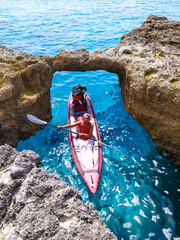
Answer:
(138, 192)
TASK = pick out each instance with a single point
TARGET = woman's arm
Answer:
(69, 125)
(87, 135)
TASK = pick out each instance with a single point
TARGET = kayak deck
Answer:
(90, 172)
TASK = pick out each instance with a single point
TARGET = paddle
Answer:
(36, 120)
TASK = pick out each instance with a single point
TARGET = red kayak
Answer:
(90, 169)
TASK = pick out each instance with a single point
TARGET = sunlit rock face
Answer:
(146, 61)
(25, 82)
(35, 204)
(151, 84)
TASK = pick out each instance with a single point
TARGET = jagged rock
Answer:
(146, 61)
(7, 155)
(151, 84)
(83, 60)
(25, 81)
(37, 205)
(23, 163)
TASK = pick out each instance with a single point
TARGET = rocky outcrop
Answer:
(151, 84)
(146, 62)
(25, 81)
(35, 204)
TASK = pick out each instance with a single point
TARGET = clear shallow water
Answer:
(138, 192)
(45, 26)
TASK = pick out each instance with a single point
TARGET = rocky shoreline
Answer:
(35, 204)
(147, 64)
(151, 86)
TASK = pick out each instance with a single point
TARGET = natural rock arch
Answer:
(146, 61)
(26, 83)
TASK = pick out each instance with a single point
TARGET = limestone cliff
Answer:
(146, 61)
(37, 205)
(151, 84)
(25, 81)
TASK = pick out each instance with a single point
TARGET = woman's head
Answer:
(86, 117)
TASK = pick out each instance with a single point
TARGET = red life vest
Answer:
(81, 130)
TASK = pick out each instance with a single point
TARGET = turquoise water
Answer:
(138, 192)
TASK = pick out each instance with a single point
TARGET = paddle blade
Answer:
(35, 119)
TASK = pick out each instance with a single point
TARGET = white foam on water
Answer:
(127, 225)
(155, 218)
(142, 214)
(167, 211)
(138, 219)
(127, 203)
(160, 171)
(104, 213)
(117, 190)
(151, 234)
(167, 233)
(111, 209)
(136, 184)
(135, 200)
(108, 217)
(61, 99)
(155, 163)
(156, 182)
(133, 237)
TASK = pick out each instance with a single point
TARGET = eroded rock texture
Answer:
(151, 84)
(146, 61)
(35, 204)
(25, 81)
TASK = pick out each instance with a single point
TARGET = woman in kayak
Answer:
(85, 128)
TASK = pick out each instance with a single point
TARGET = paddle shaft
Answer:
(39, 121)
(77, 134)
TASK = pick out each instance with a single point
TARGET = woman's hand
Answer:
(81, 134)
(59, 127)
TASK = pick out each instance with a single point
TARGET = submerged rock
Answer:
(35, 204)
(146, 61)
